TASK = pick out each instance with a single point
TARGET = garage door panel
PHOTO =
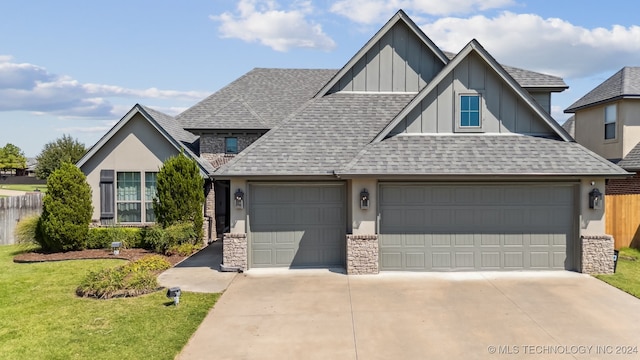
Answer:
(415, 260)
(517, 224)
(297, 225)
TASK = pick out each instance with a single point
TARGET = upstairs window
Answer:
(610, 116)
(231, 145)
(469, 111)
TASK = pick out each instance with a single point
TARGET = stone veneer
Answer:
(362, 254)
(209, 212)
(597, 254)
(234, 251)
(212, 146)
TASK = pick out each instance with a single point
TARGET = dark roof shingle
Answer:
(625, 82)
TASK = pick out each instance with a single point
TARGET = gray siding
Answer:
(502, 111)
(398, 62)
(297, 225)
(542, 98)
(476, 227)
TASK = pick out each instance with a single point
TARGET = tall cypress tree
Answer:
(180, 193)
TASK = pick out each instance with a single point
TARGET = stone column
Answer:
(209, 212)
(362, 254)
(234, 252)
(597, 254)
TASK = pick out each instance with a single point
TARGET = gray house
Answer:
(407, 158)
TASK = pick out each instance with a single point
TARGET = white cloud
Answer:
(375, 11)
(28, 87)
(262, 21)
(550, 45)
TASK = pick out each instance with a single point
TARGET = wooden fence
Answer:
(14, 208)
(622, 217)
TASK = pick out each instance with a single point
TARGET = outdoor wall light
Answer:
(115, 246)
(364, 199)
(239, 199)
(595, 199)
(174, 293)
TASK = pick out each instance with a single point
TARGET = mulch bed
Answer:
(125, 254)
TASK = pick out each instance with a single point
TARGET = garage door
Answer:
(297, 225)
(476, 227)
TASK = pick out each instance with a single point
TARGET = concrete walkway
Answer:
(200, 272)
(326, 315)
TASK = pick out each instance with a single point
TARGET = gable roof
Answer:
(400, 16)
(632, 160)
(625, 83)
(165, 124)
(475, 47)
(530, 79)
(259, 100)
(570, 126)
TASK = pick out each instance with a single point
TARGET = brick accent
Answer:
(624, 186)
(212, 147)
(209, 212)
(234, 251)
(597, 254)
(362, 254)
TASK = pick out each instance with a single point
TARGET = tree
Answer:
(180, 193)
(66, 210)
(64, 149)
(11, 157)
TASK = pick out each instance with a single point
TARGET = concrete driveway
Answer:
(312, 314)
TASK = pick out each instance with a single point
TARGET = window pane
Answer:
(469, 111)
(610, 131)
(128, 186)
(610, 114)
(150, 185)
(464, 103)
(474, 103)
(231, 145)
(464, 119)
(129, 212)
(474, 119)
(150, 216)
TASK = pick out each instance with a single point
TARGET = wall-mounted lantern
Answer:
(239, 200)
(595, 199)
(364, 199)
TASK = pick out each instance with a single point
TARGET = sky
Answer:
(76, 67)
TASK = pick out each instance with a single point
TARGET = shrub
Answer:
(166, 241)
(26, 231)
(101, 238)
(133, 279)
(66, 210)
(183, 249)
(180, 194)
(155, 238)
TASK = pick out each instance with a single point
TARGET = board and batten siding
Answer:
(398, 62)
(502, 109)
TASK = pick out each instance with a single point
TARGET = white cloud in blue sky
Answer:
(265, 22)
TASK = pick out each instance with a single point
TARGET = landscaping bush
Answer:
(180, 194)
(102, 237)
(133, 279)
(168, 240)
(26, 231)
(183, 249)
(66, 210)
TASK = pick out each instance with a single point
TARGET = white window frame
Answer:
(458, 109)
(611, 118)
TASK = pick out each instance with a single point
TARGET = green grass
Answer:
(627, 276)
(42, 318)
(23, 187)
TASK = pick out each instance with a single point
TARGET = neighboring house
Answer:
(405, 159)
(607, 121)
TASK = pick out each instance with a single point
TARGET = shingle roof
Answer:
(187, 140)
(625, 82)
(527, 78)
(477, 155)
(570, 126)
(260, 99)
(632, 160)
(320, 138)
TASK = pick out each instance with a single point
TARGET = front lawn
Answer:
(42, 318)
(627, 276)
(27, 187)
